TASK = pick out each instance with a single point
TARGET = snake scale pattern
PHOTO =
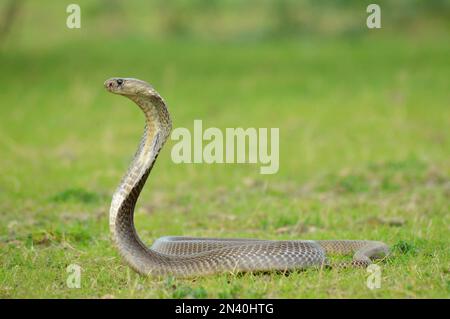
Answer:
(189, 256)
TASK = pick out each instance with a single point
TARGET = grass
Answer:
(364, 150)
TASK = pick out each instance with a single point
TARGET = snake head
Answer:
(128, 87)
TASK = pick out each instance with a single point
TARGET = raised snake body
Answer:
(188, 256)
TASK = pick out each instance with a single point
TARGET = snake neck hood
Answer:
(156, 131)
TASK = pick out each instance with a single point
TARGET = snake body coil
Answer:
(188, 256)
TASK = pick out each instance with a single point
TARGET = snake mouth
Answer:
(113, 85)
(109, 85)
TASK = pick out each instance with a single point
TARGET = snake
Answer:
(180, 256)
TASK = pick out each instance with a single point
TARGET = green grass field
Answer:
(364, 154)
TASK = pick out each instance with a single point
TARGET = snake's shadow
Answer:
(285, 273)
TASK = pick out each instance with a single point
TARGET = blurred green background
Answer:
(364, 144)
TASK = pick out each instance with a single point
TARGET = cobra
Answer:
(192, 256)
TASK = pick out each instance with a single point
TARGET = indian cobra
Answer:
(191, 256)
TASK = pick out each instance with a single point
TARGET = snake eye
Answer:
(119, 81)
